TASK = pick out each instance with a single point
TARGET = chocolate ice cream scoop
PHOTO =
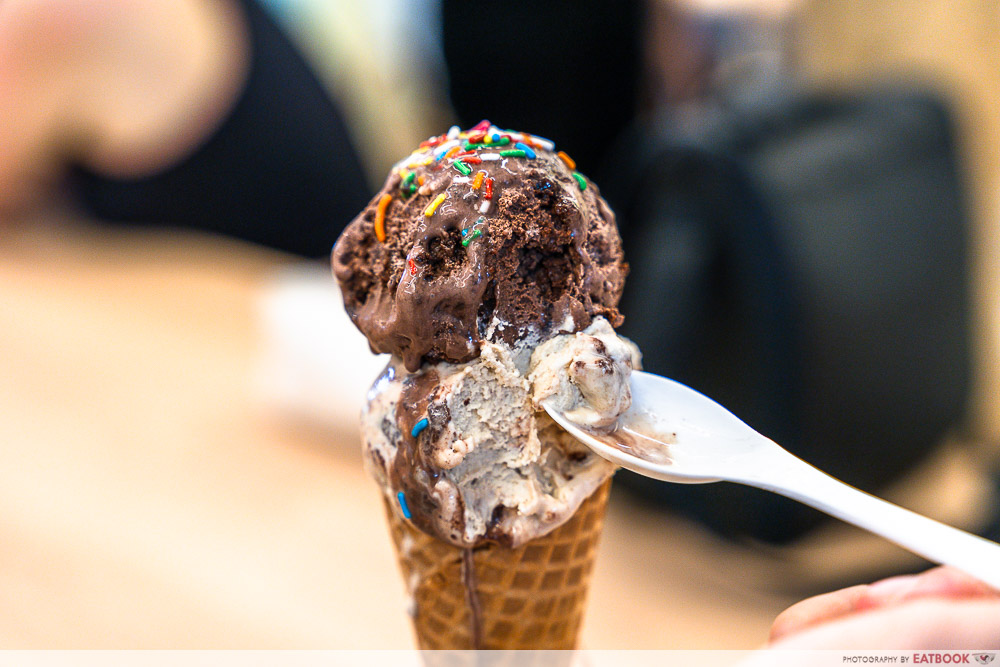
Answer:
(480, 235)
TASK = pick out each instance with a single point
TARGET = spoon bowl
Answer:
(676, 434)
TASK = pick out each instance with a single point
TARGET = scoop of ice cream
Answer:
(585, 375)
(471, 453)
(485, 235)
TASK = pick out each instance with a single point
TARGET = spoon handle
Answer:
(790, 476)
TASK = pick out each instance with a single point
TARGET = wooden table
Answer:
(150, 499)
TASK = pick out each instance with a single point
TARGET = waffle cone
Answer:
(495, 597)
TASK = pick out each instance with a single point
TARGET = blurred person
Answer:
(189, 113)
(942, 608)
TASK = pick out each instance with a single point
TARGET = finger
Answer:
(953, 582)
(928, 623)
(814, 610)
(938, 582)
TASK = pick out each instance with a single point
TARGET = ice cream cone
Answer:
(494, 597)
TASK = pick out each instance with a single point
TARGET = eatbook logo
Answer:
(984, 658)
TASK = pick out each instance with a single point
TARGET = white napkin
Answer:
(314, 362)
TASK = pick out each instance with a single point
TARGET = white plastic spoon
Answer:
(676, 434)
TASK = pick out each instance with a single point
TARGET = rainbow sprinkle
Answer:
(542, 142)
(383, 204)
(407, 186)
(468, 239)
(528, 153)
(472, 232)
(413, 267)
(461, 167)
(570, 162)
(401, 497)
(580, 180)
(433, 206)
(497, 141)
(477, 182)
(419, 426)
(514, 152)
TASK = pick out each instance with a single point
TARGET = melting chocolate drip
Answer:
(412, 472)
(472, 598)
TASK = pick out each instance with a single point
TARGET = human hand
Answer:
(940, 609)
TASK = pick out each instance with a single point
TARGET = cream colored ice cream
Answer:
(495, 465)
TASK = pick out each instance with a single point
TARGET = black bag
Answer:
(803, 261)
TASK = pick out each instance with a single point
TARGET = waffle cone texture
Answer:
(494, 597)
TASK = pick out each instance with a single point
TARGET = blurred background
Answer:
(809, 195)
